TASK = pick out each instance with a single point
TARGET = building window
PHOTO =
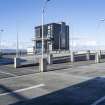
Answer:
(49, 27)
(38, 44)
(49, 32)
(37, 31)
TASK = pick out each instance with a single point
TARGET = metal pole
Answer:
(42, 37)
(17, 45)
(43, 11)
(100, 21)
(59, 41)
(0, 38)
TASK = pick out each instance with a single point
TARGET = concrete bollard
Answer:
(88, 55)
(72, 57)
(16, 62)
(43, 65)
(97, 57)
(50, 59)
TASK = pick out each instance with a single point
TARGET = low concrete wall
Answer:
(57, 57)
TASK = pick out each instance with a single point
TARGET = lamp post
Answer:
(16, 59)
(100, 23)
(17, 46)
(43, 12)
(102, 19)
(98, 53)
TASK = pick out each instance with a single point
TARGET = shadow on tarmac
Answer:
(84, 93)
(4, 89)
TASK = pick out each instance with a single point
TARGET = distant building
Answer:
(30, 50)
(56, 37)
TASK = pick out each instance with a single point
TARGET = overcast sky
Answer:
(83, 16)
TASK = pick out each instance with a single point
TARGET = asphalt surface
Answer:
(81, 83)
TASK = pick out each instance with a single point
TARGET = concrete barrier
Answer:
(72, 56)
(50, 59)
(43, 65)
(97, 57)
(88, 55)
(17, 62)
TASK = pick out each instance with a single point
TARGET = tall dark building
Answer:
(56, 36)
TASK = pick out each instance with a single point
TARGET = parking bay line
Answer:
(7, 73)
(24, 89)
(99, 101)
(16, 77)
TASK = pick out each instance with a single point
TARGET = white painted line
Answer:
(7, 73)
(98, 101)
(81, 77)
(16, 77)
(75, 76)
(21, 90)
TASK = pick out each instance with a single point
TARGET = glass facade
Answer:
(63, 36)
(38, 32)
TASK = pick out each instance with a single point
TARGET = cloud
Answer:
(83, 41)
(12, 45)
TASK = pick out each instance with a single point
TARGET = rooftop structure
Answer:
(56, 36)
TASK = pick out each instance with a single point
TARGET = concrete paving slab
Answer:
(7, 69)
(2, 75)
(52, 81)
(69, 85)
(85, 92)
